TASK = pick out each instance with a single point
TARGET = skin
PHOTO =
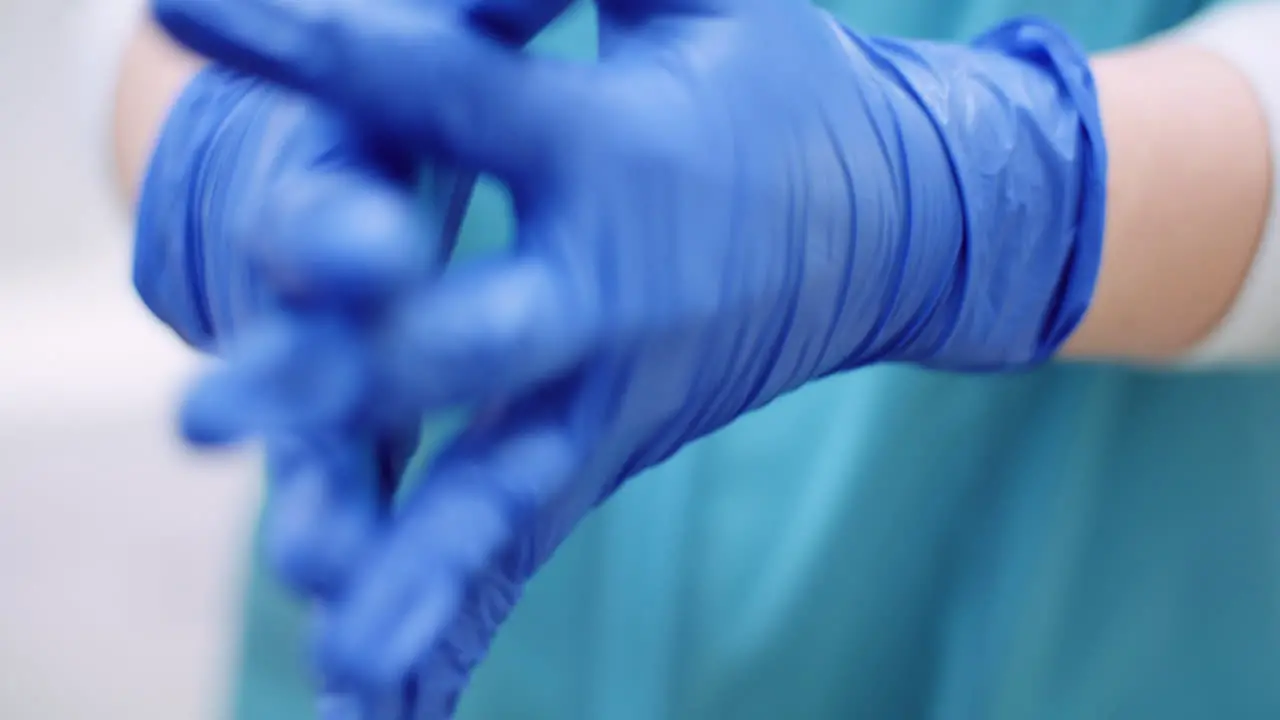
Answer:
(1187, 200)
(1188, 191)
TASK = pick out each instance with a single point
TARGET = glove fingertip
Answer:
(314, 540)
(352, 236)
(380, 657)
(213, 414)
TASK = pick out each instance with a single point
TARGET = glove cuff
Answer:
(1018, 118)
(180, 197)
(1072, 236)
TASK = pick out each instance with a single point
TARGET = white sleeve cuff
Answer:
(1247, 35)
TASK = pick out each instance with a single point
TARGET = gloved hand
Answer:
(740, 197)
(242, 170)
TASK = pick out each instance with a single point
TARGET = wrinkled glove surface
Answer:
(739, 197)
(241, 170)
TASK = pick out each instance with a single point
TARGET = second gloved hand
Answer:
(242, 169)
(242, 172)
(740, 197)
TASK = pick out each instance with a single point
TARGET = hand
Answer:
(242, 170)
(740, 197)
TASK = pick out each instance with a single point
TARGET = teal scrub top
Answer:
(1066, 544)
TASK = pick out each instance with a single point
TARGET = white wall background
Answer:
(120, 553)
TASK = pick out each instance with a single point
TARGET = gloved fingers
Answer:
(324, 509)
(287, 373)
(345, 235)
(329, 498)
(411, 70)
(446, 671)
(491, 329)
(340, 702)
(447, 573)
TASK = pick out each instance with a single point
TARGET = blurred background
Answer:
(120, 552)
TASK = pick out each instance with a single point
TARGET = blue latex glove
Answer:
(740, 197)
(242, 171)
